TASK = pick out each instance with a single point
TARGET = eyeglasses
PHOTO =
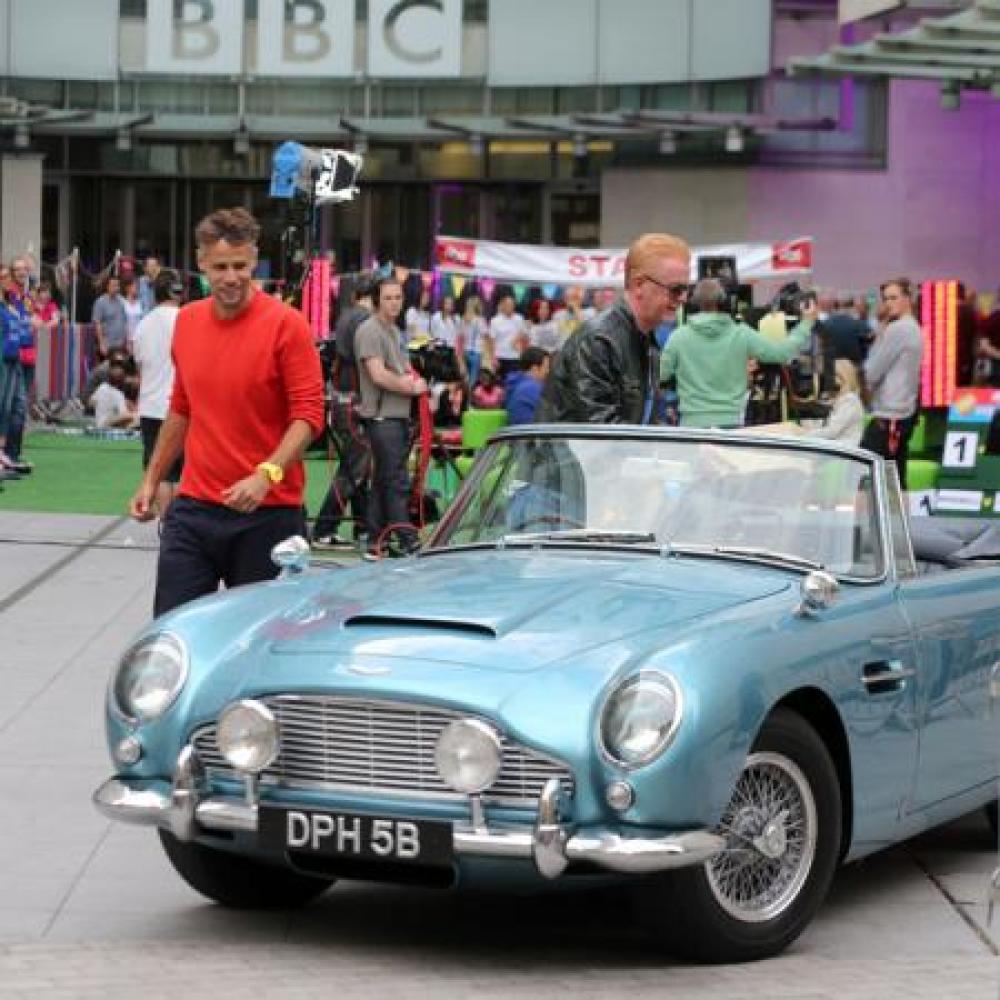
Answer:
(677, 289)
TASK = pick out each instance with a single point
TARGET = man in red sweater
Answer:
(247, 401)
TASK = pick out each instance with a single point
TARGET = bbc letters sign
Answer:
(194, 37)
(305, 38)
(415, 38)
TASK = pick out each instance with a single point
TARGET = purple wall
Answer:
(935, 212)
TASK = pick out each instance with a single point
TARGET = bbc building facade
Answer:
(573, 122)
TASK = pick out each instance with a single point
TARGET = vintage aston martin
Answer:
(710, 664)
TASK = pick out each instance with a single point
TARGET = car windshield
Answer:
(737, 500)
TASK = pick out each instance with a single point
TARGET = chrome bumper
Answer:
(549, 843)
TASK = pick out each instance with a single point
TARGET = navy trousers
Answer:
(205, 544)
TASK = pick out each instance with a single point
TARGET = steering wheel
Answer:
(553, 520)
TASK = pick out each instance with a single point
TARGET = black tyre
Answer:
(992, 818)
(237, 882)
(783, 828)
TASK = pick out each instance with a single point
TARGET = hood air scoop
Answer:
(421, 622)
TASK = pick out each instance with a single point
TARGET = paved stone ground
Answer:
(89, 909)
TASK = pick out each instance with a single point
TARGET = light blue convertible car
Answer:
(708, 664)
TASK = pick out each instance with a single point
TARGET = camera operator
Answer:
(388, 388)
(350, 485)
(708, 357)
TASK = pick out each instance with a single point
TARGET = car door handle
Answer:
(883, 676)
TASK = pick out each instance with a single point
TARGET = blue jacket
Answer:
(522, 393)
(10, 333)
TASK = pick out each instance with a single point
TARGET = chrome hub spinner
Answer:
(770, 826)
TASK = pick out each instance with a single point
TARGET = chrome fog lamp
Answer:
(292, 555)
(247, 736)
(640, 718)
(150, 677)
(468, 755)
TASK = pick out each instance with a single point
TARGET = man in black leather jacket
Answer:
(605, 374)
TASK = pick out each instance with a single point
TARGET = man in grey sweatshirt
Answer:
(892, 375)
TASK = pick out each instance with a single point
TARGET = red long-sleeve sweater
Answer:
(240, 383)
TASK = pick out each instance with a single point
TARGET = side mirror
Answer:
(292, 555)
(819, 592)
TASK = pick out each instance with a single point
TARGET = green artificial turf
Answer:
(89, 475)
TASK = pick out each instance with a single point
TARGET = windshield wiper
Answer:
(757, 553)
(582, 535)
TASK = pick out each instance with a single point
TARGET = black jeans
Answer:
(389, 507)
(350, 485)
(205, 544)
(891, 440)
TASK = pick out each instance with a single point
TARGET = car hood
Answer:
(511, 611)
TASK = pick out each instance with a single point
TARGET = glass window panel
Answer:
(49, 92)
(449, 161)
(451, 100)
(526, 160)
(503, 100)
(518, 214)
(398, 101)
(223, 99)
(731, 95)
(575, 99)
(667, 97)
(458, 210)
(576, 220)
(262, 99)
(173, 96)
(154, 224)
(310, 99)
(82, 94)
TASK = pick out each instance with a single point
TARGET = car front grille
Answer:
(382, 747)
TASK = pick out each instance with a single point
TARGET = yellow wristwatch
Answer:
(275, 473)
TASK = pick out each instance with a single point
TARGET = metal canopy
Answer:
(960, 49)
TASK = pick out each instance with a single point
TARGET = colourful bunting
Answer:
(487, 286)
(427, 277)
(551, 292)
(520, 291)
(402, 273)
(457, 285)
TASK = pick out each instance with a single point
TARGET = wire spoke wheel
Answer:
(771, 828)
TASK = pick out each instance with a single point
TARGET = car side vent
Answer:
(431, 624)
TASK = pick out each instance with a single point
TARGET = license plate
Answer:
(356, 835)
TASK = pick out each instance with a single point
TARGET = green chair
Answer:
(918, 439)
(921, 474)
(477, 427)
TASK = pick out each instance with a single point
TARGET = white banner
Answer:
(206, 37)
(305, 38)
(595, 268)
(414, 38)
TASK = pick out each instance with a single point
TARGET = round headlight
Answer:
(468, 755)
(150, 676)
(640, 718)
(247, 736)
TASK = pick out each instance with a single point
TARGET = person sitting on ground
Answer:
(523, 388)
(111, 407)
(487, 393)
